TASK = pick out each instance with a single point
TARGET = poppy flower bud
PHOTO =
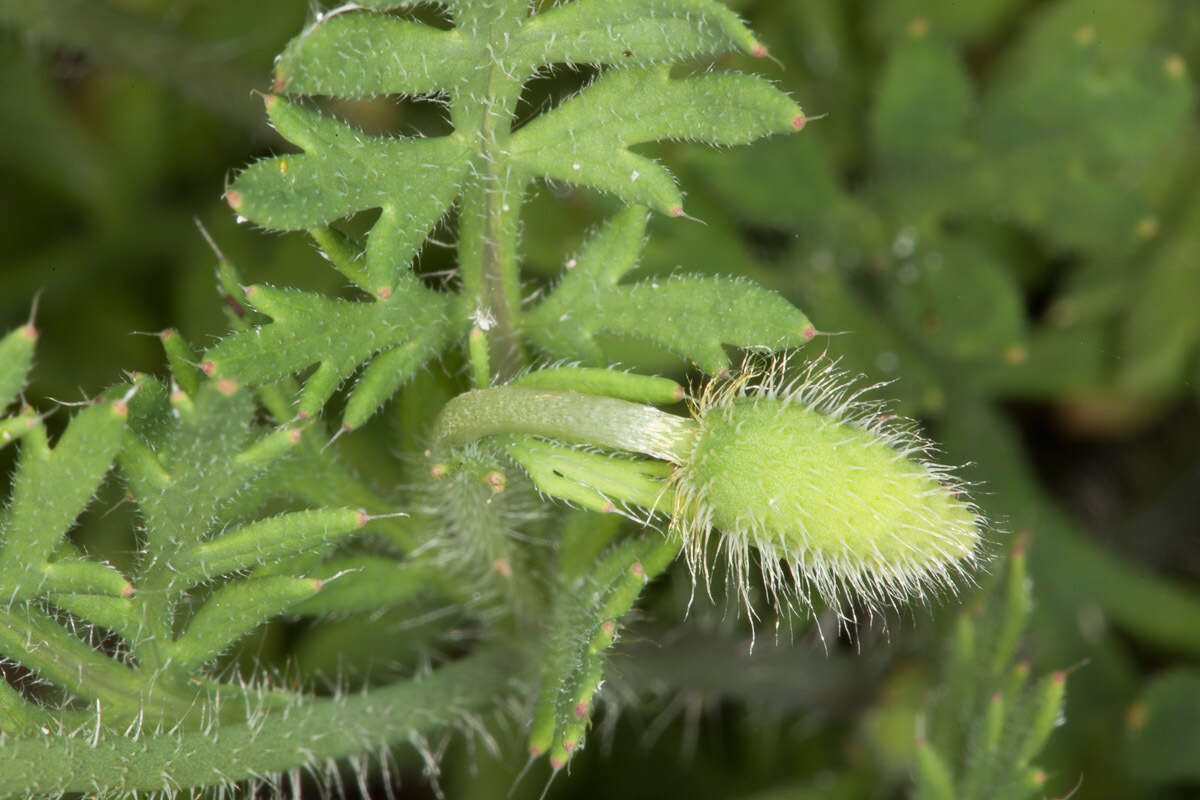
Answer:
(833, 494)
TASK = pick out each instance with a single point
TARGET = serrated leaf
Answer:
(691, 316)
(340, 335)
(585, 140)
(342, 171)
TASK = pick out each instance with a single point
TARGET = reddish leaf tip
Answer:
(809, 332)
(676, 211)
(759, 50)
(799, 121)
(227, 386)
(638, 569)
(208, 368)
(581, 710)
(29, 332)
(234, 198)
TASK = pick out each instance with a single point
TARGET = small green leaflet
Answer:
(689, 315)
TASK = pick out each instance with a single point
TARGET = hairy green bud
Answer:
(834, 494)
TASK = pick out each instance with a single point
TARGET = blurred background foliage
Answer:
(998, 210)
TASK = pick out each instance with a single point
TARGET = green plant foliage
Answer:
(417, 517)
(989, 721)
(690, 316)
(587, 610)
(486, 161)
(1161, 724)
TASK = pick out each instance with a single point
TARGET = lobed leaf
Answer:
(400, 332)
(987, 725)
(585, 140)
(342, 171)
(51, 488)
(583, 626)
(690, 316)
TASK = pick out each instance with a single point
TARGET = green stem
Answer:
(570, 416)
(46, 648)
(308, 732)
(489, 217)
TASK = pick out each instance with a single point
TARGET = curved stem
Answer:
(308, 732)
(565, 415)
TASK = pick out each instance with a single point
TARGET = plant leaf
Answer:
(16, 357)
(691, 316)
(364, 55)
(413, 181)
(586, 140)
(340, 335)
(631, 32)
(582, 628)
(51, 488)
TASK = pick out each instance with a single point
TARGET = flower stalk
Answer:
(834, 496)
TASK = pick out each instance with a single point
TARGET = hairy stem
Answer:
(570, 416)
(491, 207)
(307, 732)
